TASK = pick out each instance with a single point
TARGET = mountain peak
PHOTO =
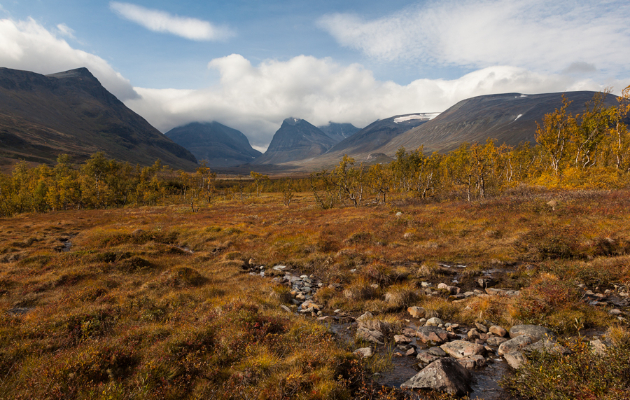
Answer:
(73, 73)
(292, 121)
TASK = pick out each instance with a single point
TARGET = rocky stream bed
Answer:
(428, 353)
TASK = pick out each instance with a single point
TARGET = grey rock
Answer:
(432, 334)
(370, 335)
(536, 332)
(546, 346)
(497, 330)
(445, 374)
(481, 327)
(436, 351)
(424, 357)
(496, 341)
(434, 321)
(515, 344)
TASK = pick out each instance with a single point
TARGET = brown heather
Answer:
(129, 312)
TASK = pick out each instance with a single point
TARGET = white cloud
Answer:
(255, 99)
(65, 30)
(27, 45)
(160, 21)
(535, 34)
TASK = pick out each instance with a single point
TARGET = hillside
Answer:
(510, 118)
(296, 140)
(217, 144)
(369, 140)
(70, 112)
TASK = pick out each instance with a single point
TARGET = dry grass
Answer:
(129, 312)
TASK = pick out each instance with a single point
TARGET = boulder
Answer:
(515, 344)
(432, 334)
(417, 312)
(536, 332)
(515, 359)
(462, 348)
(472, 362)
(445, 374)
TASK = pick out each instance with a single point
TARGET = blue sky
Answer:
(250, 64)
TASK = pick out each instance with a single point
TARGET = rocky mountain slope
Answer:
(70, 112)
(217, 144)
(296, 140)
(510, 118)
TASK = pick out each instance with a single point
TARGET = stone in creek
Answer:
(516, 344)
(424, 357)
(536, 332)
(462, 348)
(473, 334)
(436, 351)
(496, 341)
(370, 335)
(445, 374)
(401, 339)
(432, 334)
(472, 362)
(411, 352)
(481, 327)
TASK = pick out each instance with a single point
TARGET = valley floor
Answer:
(162, 302)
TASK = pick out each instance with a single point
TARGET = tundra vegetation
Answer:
(120, 282)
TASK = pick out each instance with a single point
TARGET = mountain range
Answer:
(42, 116)
(217, 144)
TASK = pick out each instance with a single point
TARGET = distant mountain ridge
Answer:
(219, 145)
(339, 132)
(70, 112)
(367, 141)
(509, 118)
(296, 139)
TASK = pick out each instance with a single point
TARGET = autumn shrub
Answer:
(583, 374)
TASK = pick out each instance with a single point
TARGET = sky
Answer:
(250, 64)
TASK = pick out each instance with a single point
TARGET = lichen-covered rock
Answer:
(536, 332)
(516, 344)
(462, 348)
(364, 352)
(432, 334)
(445, 374)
